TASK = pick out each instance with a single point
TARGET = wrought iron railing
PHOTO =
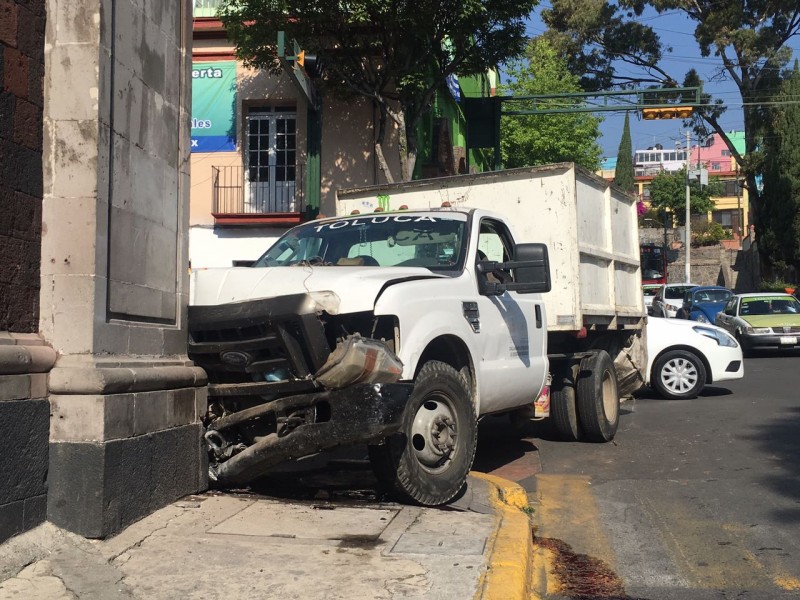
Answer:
(258, 190)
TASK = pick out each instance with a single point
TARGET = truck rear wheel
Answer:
(563, 412)
(598, 398)
(429, 460)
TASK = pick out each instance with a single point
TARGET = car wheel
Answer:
(747, 351)
(429, 461)
(679, 375)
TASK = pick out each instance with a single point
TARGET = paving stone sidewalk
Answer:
(238, 546)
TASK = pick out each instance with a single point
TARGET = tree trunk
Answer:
(382, 164)
(402, 144)
(411, 152)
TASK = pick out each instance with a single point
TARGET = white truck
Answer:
(402, 322)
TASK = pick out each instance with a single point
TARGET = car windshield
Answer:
(712, 295)
(676, 291)
(393, 239)
(769, 305)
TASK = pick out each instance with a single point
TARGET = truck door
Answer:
(512, 331)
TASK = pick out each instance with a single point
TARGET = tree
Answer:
(539, 139)
(623, 174)
(778, 224)
(747, 36)
(397, 53)
(668, 191)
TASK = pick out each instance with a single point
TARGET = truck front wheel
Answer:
(598, 398)
(429, 460)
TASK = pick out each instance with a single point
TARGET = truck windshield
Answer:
(434, 241)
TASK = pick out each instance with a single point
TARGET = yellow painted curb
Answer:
(508, 576)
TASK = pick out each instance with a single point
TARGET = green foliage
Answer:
(668, 191)
(396, 53)
(540, 139)
(778, 222)
(777, 285)
(710, 233)
(654, 218)
(624, 173)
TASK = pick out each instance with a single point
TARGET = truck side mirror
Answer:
(534, 274)
(530, 268)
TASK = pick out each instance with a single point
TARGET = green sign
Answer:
(214, 106)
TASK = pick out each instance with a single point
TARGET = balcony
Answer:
(205, 8)
(273, 195)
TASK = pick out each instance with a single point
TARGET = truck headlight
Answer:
(326, 301)
(721, 337)
(701, 318)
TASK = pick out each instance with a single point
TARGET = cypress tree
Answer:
(778, 233)
(623, 176)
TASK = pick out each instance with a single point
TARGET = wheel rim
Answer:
(610, 406)
(679, 375)
(434, 433)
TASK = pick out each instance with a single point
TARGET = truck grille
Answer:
(273, 341)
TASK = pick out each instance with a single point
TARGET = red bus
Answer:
(654, 263)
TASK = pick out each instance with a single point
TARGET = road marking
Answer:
(569, 512)
(771, 565)
(703, 548)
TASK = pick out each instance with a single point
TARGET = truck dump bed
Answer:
(588, 224)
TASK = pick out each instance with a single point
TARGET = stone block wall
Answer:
(24, 359)
(711, 265)
(24, 427)
(118, 456)
(22, 29)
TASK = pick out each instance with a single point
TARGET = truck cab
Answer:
(396, 329)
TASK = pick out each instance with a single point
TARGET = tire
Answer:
(564, 413)
(747, 352)
(411, 463)
(598, 398)
(678, 375)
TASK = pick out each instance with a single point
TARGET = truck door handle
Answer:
(538, 309)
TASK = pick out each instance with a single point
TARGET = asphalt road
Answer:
(694, 499)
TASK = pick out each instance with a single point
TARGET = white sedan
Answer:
(683, 356)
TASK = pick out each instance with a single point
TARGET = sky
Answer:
(676, 31)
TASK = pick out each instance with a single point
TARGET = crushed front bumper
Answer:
(307, 424)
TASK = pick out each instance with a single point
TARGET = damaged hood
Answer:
(355, 289)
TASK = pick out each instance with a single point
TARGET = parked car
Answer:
(649, 291)
(668, 299)
(762, 320)
(684, 356)
(702, 303)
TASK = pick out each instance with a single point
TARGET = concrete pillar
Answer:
(125, 401)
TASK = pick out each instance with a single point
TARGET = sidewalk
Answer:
(245, 547)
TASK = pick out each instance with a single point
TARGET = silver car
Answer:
(668, 299)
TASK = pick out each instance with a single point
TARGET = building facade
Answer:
(731, 209)
(264, 158)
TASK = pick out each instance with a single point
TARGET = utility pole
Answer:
(739, 220)
(688, 227)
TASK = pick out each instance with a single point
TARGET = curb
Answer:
(508, 576)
